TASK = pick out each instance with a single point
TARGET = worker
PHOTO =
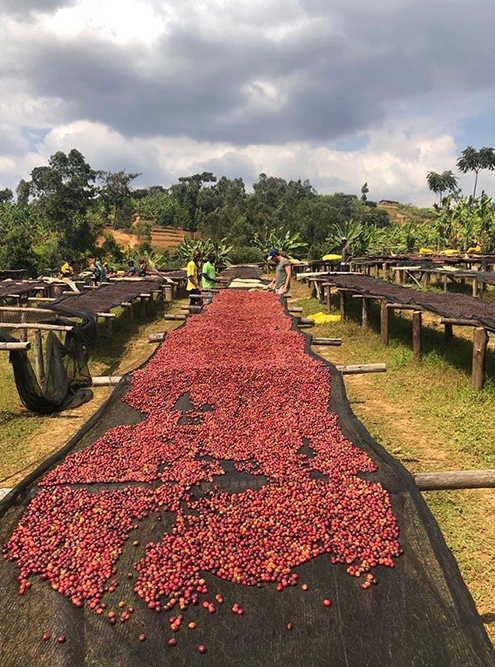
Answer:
(67, 269)
(283, 272)
(131, 269)
(346, 255)
(209, 277)
(193, 288)
(141, 269)
(100, 273)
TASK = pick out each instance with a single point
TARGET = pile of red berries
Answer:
(267, 400)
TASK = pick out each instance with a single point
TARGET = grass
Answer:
(26, 439)
(428, 417)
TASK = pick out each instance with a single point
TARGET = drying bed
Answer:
(219, 506)
(451, 305)
(108, 296)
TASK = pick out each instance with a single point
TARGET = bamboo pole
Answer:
(305, 321)
(463, 479)
(175, 317)
(480, 341)
(106, 380)
(14, 347)
(34, 326)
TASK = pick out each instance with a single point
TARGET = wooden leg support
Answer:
(39, 366)
(365, 311)
(480, 341)
(416, 335)
(384, 322)
(342, 306)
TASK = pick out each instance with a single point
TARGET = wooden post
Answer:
(365, 311)
(416, 335)
(167, 291)
(463, 479)
(475, 286)
(342, 306)
(480, 341)
(329, 299)
(326, 341)
(143, 306)
(23, 332)
(39, 366)
(384, 322)
(444, 276)
(355, 369)
(449, 333)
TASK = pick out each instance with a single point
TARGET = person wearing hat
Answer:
(346, 255)
(283, 272)
(141, 270)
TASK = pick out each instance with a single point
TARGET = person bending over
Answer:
(283, 272)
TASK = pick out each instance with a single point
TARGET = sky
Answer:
(335, 91)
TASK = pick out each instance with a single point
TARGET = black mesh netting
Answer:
(109, 296)
(449, 305)
(66, 375)
(229, 414)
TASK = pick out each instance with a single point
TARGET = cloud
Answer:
(230, 80)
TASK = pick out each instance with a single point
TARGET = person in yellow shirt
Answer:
(67, 269)
(193, 288)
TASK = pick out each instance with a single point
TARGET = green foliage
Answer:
(115, 195)
(440, 183)
(290, 244)
(476, 160)
(221, 250)
(247, 254)
(112, 249)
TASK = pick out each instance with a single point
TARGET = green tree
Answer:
(115, 194)
(6, 196)
(23, 192)
(63, 193)
(440, 183)
(476, 160)
(364, 192)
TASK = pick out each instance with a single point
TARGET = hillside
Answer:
(400, 212)
(162, 238)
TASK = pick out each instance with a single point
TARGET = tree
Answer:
(23, 192)
(364, 192)
(440, 183)
(186, 192)
(473, 160)
(116, 195)
(6, 196)
(63, 193)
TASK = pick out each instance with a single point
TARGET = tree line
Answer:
(64, 206)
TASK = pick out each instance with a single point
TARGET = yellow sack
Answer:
(474, 249)
(321, 318)
(449, 252)
(425, 251)
(328, 258)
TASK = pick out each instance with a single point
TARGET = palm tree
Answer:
(473, 160)
(440, 183)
